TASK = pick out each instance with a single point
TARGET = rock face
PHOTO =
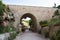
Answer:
(35, 13)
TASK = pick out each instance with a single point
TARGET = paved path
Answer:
(30, 36)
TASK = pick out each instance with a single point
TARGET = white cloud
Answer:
(46, 3)
(26, 18)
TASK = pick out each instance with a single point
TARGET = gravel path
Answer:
(30, 36)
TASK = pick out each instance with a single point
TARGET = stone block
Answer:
(4, 36)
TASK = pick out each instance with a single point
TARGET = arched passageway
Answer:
(33, 18)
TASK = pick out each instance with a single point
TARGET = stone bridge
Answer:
(35, 13)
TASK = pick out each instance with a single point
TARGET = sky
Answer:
(44, 3)
(26, 18)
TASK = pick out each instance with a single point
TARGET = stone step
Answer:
(4, 36)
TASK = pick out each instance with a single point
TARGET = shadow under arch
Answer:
(34, 20)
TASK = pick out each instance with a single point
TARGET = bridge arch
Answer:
(33, 18)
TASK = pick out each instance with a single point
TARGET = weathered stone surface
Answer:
(4, 36)
(37, 13)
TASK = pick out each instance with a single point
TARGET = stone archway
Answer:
(33, 19)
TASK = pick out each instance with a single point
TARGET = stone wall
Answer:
(40, 13)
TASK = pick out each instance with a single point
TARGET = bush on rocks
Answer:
(56, 34)
(43, 23)
(45, 32)
(12, 35)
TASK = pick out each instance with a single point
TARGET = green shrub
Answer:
(56, 34)
(54, 21)
(30, 22)
(1, 19)
(39, 31)
(1, 12)
(45, 31)
(56, 13)
(12, 35)
(9, 29)
(8, 9)
(2, 8)
(44, 23)
(1, 29)
(46, 34)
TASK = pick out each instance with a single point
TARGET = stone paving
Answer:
(30, 36)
